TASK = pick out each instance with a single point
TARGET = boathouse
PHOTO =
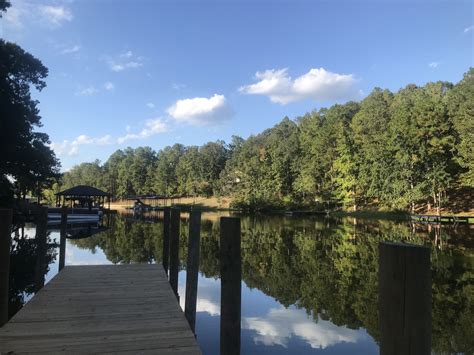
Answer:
(83, 196)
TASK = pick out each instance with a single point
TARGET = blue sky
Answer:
(134, 73)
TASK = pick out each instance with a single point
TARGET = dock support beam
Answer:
(41, 240)
(62, 238)
(166, 238)
(231, 275)
(174, 249)
(192, 270)
(5, 242)
(404, 299)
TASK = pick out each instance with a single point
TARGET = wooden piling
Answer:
(166, 238)
(62, 238)
(192, 269)
(231, 275)
(41, 240)
(174, 249)
(404, 299)
(5, 242)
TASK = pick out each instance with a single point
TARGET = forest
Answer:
(391, 150)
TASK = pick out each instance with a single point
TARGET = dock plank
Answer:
(101, 309)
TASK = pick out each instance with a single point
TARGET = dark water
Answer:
(309, 285)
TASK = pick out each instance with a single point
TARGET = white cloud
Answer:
(24, 12)
(177, 86)
(104, 140)
(109, 86)
(209, 296)
(126, 60)
(88, 91)
(70, 50)
(433, 65)
(152, 127)
(127, 54)
(201, 110)
(280, 324)
(14, 16)
(60, 148)
(82, 139)
(317, 84)
(150, 105)
(120, 67)
(469, 29)
(55, 15)
(72, 148)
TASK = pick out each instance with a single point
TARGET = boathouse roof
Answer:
(83, 190)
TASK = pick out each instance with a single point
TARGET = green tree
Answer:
(460, 102)
(211, 161)
(370, 138)
(436, 139)
(26, 157)
(165, 179)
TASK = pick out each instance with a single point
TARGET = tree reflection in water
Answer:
(27, 266)
(326, 268)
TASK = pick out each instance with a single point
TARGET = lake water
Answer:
(309, 284)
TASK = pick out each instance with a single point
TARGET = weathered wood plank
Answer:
(98, 309)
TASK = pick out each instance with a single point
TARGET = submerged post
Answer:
(174, 249)
(41, 239)
(231, 275)
(166, 238)
(404, 299)
(5, 241)
(62, 238)
(192, 268)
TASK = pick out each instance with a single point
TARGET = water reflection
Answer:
(31, 254)
(307, 283)
(279, 324)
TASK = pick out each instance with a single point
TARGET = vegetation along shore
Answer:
(409, 151)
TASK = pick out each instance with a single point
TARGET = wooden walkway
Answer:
(443, 219)
(102, 309)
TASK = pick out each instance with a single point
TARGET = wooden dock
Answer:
(442, 219)
(102, 309)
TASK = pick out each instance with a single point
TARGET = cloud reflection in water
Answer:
(280, 324)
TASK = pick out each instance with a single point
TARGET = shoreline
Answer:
(369, 214)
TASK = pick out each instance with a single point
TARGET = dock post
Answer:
(5, 242)
(231, 276)
(41, 239)
(166, 238)
(404, 299)
(174, 249)
(62, 238)
(192, 268)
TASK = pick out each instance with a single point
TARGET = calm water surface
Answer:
(309, 285)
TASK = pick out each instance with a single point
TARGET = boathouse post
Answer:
(404, 299)
(174, 248)
(62, 238)
(231, 275)
(166, 238)
(5, 242)
(192, 268)
(41, 240)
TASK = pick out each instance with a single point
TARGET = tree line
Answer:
(393, 150)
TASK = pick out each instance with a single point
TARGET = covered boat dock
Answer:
(83, 196)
